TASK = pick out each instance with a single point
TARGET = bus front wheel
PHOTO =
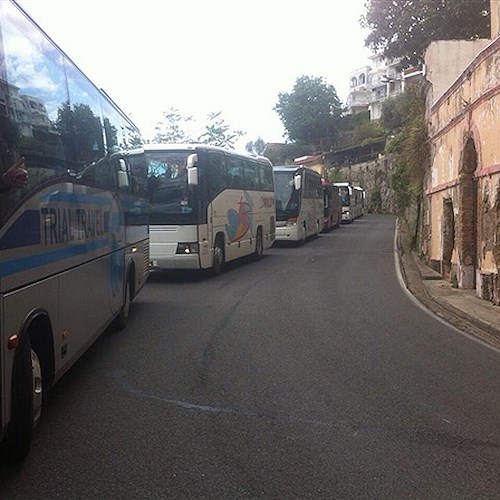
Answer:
(259, 245)
(27, 401)
(219, 259)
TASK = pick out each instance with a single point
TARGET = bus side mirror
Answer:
(192, 176)
(123, 182)
(297, 182)
(192, 170)
(192, 160)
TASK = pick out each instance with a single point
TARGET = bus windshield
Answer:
(287, 197)
(170, 197)
(344, 196)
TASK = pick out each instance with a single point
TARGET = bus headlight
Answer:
(187, 248)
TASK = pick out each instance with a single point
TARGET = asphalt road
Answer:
(309, 374)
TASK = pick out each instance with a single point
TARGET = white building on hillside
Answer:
(371, 85)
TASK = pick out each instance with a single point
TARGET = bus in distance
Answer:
(73, 235)
(299, 203)
(332, 205)
(353, 200)
(360, 195)
(208, 206)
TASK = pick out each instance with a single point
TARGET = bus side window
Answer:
(266, 178)
(235, 174)
(326, 197)
(216, 173)
(318, 192)
(307, 186)
(138, 175)
(98, 174)
(251, 175)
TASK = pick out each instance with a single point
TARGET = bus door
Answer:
(116, 236)
(212, 169)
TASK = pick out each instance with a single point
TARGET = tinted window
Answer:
(312, 188)
(266, 178)
(138, 174)
(235, 173)
(80, 120)
(51, 114)
(30, 107)
(216, 173)
(251, 175)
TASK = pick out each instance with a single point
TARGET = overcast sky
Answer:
(201, 56)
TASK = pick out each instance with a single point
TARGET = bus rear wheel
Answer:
(318, 230)
(120, 322)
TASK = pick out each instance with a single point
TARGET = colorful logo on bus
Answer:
(240, 221)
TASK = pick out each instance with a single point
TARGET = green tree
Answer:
(256, 147)
(284, 154)
(404, 28)
(171, 129)
(411, 149)
(310, 111)
(218, 132)
(394, 113)
(367, 132)
(357, 129)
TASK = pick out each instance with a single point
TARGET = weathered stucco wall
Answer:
(463, 188)
(445, 60)
(495, 18)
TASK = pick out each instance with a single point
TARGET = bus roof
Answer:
(157, 147)
(286, 168)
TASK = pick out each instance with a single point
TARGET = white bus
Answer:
(299, 203)
(73, 236)
(359, 195)
(208, 206)
(353, 201)
(332, 205)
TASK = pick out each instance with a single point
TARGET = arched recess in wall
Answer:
(448, 237)
(467, 217)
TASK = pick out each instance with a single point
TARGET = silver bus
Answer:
(299, 203)
(73, 234)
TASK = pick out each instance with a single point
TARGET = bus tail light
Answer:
(187, 248)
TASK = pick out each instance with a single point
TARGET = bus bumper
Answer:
(287, 233)
(175, 262)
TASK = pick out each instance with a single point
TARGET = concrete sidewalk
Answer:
(461, 308)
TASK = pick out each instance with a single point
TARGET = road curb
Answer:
(415, 281)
